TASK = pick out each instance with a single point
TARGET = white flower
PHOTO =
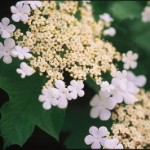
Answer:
(25, 70)
(63, 94)
(21, 52)
(6, 50)
(129, 60)
(75, 89)
(110, 31)
(34, 4)
(102, 103)
(97, 137)
(124, 89)
(49, 97)
(105, 86)
(20, 12)
(55, 96)
(113, 144)
(146, 14)
(139, 81)
(5, 29)
(106, 17)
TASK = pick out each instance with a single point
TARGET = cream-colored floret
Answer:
(59, 42)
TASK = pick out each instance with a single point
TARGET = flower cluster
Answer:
(57, 42)
(60, 94)
(124, 86)
(60, 42)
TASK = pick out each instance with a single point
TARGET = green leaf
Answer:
(126, 9)
(23, 111)
(140, 33)
(92, 84)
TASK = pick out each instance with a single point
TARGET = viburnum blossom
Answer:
(105, 86)
(21, 52)
(75, 89)
(97, 137)
(25, 70)
(20, 12)
(112, 144)
(6, 30)
(101, 104)
(63, 93)
(49, 97)
(130, 60)
(6, 50)
(124, 89)
(139, 81)
(106, 17)
(109, 32)
(59, 95)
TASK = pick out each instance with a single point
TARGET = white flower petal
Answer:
(13, 9)
(54, 101)
(94, 113)
(135, 56)
(126, 66)
(74, 95)
(106, 17)
(24, 17)
(133, 65)
(55, 92)
(62, 102)
(118, 96)
(112, 144)
(93, 130)
(5, 34)
(105, 114)
(11, 28)
(95, 101)
(140, 80)
(129, 98)
(9, 43)
(26, 9)
(41, 97)
(70, 88)
(110, 32)
(119, 146)
(102, 131)
(5, 21)
(111, 103)
(60, 84)
(89, 139)
(80, 85)
(7, 59)
(103, 141)
(47, 105)
(81, 93)
(96, 145)
(15, 17)
(109, 144)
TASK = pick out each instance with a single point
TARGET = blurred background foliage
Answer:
(132, 34)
